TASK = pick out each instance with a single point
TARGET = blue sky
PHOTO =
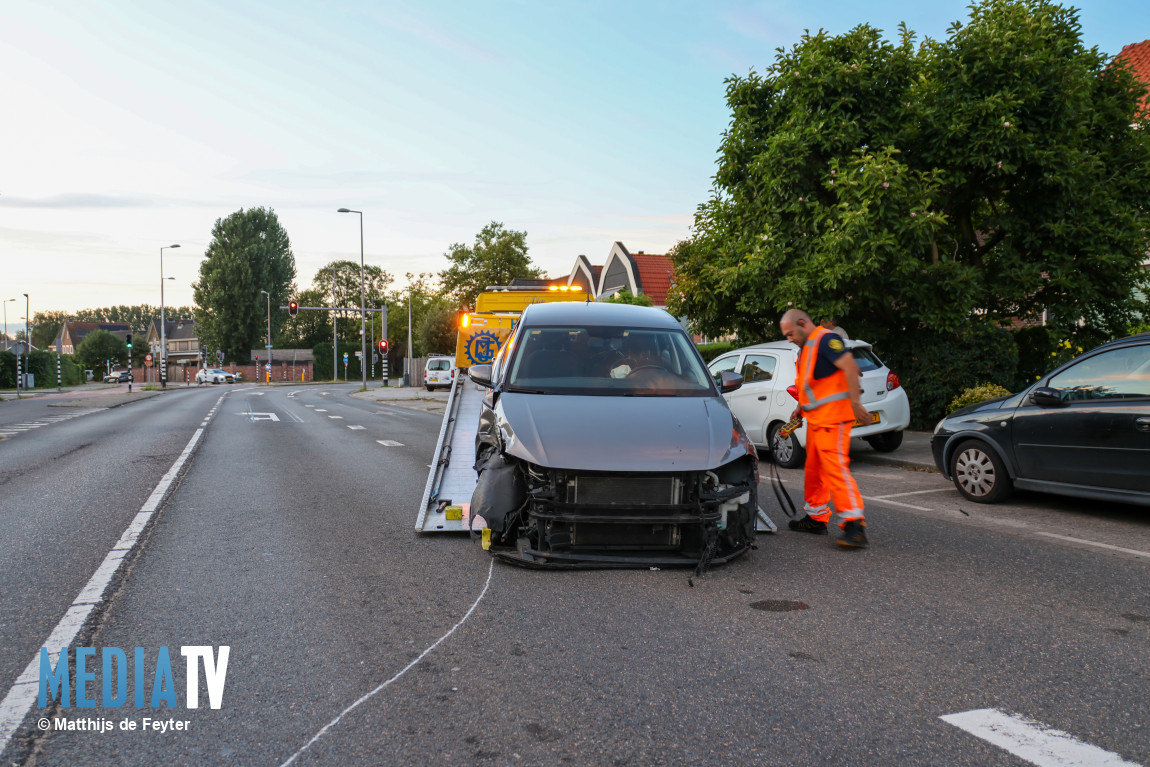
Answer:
(133, 125)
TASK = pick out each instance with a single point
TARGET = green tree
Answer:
(46, 326)
(900, 189)
(625, 296)
(249, 252)
(98, 346)
(343, 277)
(498, 256)
(438, 328)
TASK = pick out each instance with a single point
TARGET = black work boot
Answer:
(854, 535)
(808, 525)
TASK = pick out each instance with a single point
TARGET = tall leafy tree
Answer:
(497, 256)
(438, 328)
(920, 191)
(98, 346)
(249, 252)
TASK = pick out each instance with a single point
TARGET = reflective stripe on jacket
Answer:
(824, 401)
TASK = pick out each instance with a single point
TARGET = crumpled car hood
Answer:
(619, 433)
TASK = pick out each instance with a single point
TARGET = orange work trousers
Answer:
(827, 477)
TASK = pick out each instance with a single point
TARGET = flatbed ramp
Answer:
(452, 477)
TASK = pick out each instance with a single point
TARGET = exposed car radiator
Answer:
(630, 491)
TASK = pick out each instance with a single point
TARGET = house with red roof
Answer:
(1137, 57)
(641, 273)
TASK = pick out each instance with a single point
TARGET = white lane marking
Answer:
(389, 443)
(319, 410)
(1033, 741)
(404, 670)
(353, 427)
(340, 417)
(916, 492)
(880, 499)
(25, 691)
(309, 405)
(1135, 552)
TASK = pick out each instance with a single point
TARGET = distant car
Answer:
(118, 376)
(1082, 430)
(439, 371)
(214, 376)
(768, 397)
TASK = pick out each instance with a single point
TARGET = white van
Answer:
(439, 371)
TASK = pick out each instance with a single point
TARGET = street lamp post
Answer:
(163, 324)
(269, 295)
(6, 302)
(362, 301)
(27, 350)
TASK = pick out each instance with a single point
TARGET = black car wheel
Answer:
(887, 442)
(979, 474)
(788, 453)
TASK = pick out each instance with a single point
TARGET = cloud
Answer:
(79, 200)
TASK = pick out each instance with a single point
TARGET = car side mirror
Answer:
(1044, 396)
(480, 374)
(729, 381)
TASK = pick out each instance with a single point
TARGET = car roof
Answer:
(852, 343)
(597, 313)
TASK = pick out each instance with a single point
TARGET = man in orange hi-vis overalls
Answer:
(828, 385)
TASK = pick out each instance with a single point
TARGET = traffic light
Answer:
(129, 341)
(383, 346)
(293, 308)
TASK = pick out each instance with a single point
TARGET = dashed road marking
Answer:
(389, 443)
(915, 492)
(1033, 741)
(352, 427)
(340, 417)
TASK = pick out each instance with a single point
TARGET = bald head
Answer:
(796, 326)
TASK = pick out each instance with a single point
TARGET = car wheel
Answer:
(979, 474)
(430, 387)
(788, 453)
(887, 442)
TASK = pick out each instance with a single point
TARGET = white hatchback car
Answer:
(214, 375)
(439, 371)
(768, 397)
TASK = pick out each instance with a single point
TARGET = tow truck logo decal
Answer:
(481, 347)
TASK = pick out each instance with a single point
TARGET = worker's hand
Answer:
(861, 413)
(797, 412)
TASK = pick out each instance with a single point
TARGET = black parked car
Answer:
(1082, 430)
(604, 442)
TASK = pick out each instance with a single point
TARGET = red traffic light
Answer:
(293, 308)
(383, 346)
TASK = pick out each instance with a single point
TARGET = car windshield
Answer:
(607, 361)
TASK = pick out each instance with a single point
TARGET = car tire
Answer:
(787, 453)
(430, 388)
(887, 442)
(979, 474)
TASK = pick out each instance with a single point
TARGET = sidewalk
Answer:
(89, 395)
(913, 453)
(413, 397)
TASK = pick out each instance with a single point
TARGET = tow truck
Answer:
(445, 506)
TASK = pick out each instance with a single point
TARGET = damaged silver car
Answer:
(604, 442)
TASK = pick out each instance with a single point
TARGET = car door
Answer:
(752, 403)
(1099, 433)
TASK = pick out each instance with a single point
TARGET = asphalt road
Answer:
(289, 537)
